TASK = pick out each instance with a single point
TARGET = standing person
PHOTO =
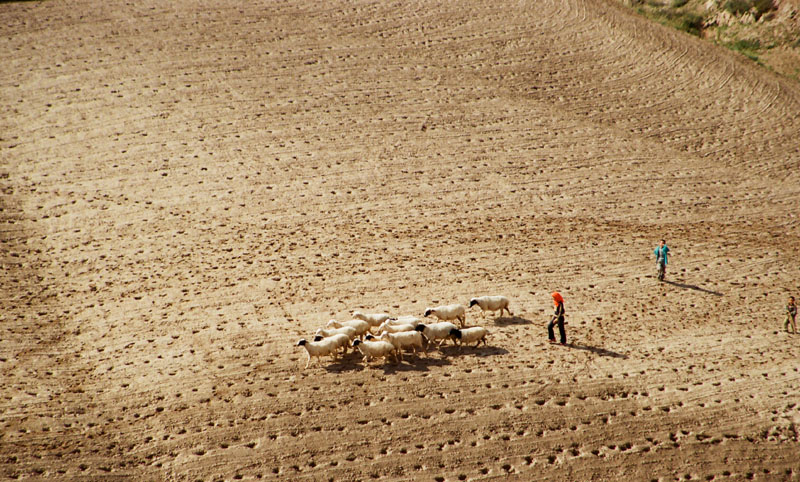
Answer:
(662, 252)
(791, 314)
(558, 317)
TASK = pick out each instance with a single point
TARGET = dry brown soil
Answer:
(188, 188)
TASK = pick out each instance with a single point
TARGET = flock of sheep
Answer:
(393, 335)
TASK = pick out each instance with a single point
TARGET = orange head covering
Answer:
(557, 298)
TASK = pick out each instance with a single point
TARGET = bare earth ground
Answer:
(190, 187)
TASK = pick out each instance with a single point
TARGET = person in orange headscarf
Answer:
(558, 317)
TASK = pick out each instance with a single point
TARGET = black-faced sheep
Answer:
(491, 303)
(324, 347)
(449, 313)
(465, 336)
(437, 331)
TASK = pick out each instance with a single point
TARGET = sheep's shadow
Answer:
(598, 351)
(511, 320)
(692, 287)
(419, 364)
(346, 363)
(353, 361)
(479, 351)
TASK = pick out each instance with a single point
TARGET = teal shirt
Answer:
(662, 252)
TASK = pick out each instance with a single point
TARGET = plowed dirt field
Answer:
(190, 187)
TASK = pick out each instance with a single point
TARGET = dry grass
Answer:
(765, 31)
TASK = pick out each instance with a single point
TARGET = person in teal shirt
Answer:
(662, 253)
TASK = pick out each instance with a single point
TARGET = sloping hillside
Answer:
(191, 187)
(765, 31)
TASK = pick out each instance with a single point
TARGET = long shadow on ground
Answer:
(411, 363)
(481, 350)
(511, 320)
(598, 351)
(347, 363)
(353, 361)
(423, 363)
(692, 287)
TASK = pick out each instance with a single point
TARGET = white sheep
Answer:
(448, 313)
(387, 327)
(374, 349)
(405, 340)
(465, 336)
(347, 330)
(404, 320)
(437, 331)
(324, 347)
(374, 319)
(361, 326)
(340, 338)
(491, 303)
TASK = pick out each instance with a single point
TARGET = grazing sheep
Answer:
(387, 327)
(361, 326)
(437, 331)
(465, 336)
(374, 319)
(404, 320)
(324, 347)
(340, 338)
(491, 303)
(374, 349)
(347, 330)
(448, 313)
(405, 340)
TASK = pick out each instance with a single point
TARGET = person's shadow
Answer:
(598, 351)
(692, 287)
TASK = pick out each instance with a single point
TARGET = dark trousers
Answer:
(561, 330)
